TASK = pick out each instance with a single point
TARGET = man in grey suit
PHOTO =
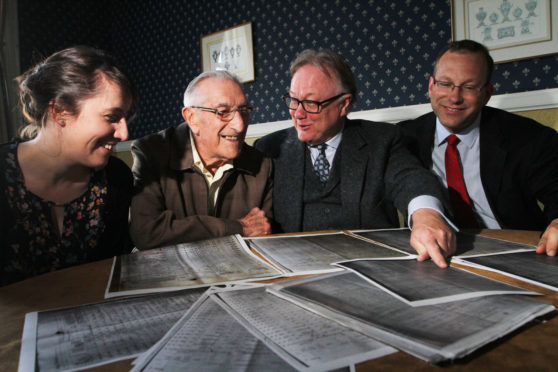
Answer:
(336, 173)
(502, 163)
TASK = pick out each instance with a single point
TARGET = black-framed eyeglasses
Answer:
(311, 107)
(466, 89)
(228, 115)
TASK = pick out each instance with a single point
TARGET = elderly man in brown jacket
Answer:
(199, 180)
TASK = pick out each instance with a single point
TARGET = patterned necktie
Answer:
(460, 202)
(321, 165)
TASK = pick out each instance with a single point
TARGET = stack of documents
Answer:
(369, 297)
(312, 254)
(198, 264)
(95, 334)
(250, 329)
(531, 267)
(505, 257)
(467, 244)
(229, 260)
(436, 332)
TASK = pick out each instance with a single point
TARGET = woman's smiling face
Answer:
(90, 136)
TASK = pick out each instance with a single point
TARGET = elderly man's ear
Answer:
(189, 117)
(344, 111)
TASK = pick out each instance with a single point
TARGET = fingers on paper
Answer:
(549, 241)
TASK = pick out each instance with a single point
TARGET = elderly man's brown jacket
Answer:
(170, 202)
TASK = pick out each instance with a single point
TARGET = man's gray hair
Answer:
(328, 60)
(190, 93)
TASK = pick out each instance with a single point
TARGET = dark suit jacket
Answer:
(518, 160)
(170, 202)
(376, 173)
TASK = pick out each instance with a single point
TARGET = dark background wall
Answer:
(391, 45)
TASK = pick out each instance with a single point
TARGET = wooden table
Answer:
(533, 347)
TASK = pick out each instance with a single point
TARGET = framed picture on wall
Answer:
(230, 50)
(510, 29)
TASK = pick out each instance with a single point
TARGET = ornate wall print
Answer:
(510, 29)
(230, 50)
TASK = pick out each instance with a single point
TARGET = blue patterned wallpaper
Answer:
(391, 45)
(51, 25)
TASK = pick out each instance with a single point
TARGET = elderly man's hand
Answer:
(255, 223)
(432, 237)
(549, 240)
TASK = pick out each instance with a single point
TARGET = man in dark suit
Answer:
(495, 165)
(361, 172)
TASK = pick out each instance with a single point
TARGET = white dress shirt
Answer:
(330, 150)
(469, 157)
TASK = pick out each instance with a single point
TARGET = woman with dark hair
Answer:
(64, 199)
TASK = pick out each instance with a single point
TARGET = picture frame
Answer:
(511, 30)
(231, 50)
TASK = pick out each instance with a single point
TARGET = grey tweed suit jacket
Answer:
(377, 173)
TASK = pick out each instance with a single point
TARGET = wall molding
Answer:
(513, 102)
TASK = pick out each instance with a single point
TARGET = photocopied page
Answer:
(467, 244)
(423, 283)
(395, 238)
(318, 343)
(311, 254)
(532, 267)
(90, 335)
(434, 333)
(202, 263)
(207, 338)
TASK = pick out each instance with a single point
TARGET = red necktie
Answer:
(464, 215)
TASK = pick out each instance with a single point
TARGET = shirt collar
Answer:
(467, 136)
(199, 163)
(334, 141)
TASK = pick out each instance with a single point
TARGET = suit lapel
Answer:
(288, 189)
(492, 158)
(353, 173)
(426, 140)
(181, 158)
